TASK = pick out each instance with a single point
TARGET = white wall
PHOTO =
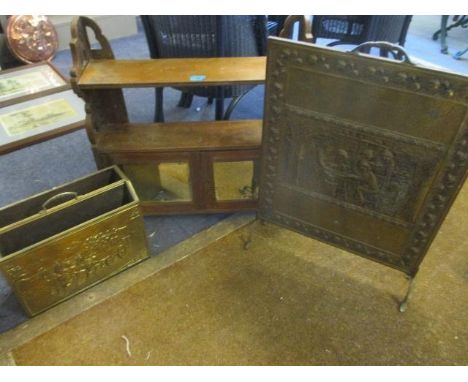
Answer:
(112, 27)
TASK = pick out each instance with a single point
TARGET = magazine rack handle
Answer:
(62, 195)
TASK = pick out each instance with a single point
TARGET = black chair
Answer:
(356, 30)
(205, 36)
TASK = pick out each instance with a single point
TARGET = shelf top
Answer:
(173, 72)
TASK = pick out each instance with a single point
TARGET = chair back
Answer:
(206, 36)
(358, 29)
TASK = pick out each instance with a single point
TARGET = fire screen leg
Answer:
(409, 292)
(247, 239)
(247, 236)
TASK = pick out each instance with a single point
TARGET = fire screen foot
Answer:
(247, 241)
(409, 292)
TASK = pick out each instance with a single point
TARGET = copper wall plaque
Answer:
(361, 152)
(32, 38)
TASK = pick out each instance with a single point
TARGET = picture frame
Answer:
(39, 119)
(30, 81)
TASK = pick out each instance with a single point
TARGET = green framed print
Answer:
(30, 81)
(40, 119)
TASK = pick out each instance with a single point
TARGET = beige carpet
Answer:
(286, 300)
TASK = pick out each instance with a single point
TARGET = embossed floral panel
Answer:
(362, 152)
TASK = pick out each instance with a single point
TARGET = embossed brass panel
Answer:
(364, 153)
(62, 249)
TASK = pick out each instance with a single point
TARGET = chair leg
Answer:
(443, 35)
(459, 54)
(219, 109)
(185, 100)
(189, 100)
(232, 105)
(158, 108)
(181, 99)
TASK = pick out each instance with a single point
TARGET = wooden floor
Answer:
(287, 300)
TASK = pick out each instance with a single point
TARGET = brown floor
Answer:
(287, 300)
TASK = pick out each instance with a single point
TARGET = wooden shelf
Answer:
(140, 147)
(181, 136)
(173, 72)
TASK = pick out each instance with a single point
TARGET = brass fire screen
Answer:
(361, 152)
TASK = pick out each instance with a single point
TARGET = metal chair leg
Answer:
(443, 34)
(458, 55)
(232, 105)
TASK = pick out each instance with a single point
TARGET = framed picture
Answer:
(30, 81)
(39, 119)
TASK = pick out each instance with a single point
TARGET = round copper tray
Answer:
(32, 38)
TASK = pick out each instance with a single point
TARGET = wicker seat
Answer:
(205, 36)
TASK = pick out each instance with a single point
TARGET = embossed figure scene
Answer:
(366, 173)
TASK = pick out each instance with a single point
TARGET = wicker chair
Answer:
(205, 36)
(358, 29)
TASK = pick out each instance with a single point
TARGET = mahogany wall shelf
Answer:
(183, 167)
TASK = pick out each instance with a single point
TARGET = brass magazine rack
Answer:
(58, 243)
